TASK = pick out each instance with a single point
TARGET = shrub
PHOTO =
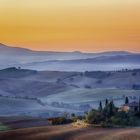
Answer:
(135, 87)
(94, 117)
(134, 74)
(123, 119)
(59, 121)
(87, 86)
(99, 82)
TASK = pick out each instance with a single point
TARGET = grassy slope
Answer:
(90, 95)
(13, 106)
(68, 132)
(3, 127)
(60, 87)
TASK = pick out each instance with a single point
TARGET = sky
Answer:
(71, 25)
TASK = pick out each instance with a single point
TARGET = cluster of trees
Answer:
(65, 119)
(136, 86)
(97, 116)
(59, 120)
(109, 115)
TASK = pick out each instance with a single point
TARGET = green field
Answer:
(3, 127)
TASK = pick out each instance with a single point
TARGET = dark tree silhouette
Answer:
(106, 102)
(139, 105)
(100, 106)
(111, 108)
(126, 100)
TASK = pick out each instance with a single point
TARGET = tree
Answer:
(106, 102)
(106, 108)
(111, 108)
(94, 117)
(139, 105)
(126, 100)
(73, 115)
(100, 106)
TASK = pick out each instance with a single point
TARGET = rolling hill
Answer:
(51, 93)
(104, 63)
(67, 61)
(50, 83)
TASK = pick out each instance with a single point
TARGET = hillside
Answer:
(51, 93)
(42, 83)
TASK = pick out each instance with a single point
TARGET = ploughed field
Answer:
(69, 132)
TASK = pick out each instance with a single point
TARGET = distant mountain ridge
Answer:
(4, 48)
(66, 61)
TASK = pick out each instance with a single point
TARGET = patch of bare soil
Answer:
(69, 132)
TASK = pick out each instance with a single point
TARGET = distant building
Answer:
(130, 107)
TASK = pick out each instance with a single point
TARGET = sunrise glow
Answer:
(69, 25)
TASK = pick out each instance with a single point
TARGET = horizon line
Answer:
(74, 51)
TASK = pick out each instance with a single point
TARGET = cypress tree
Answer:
(100, 106)
(126, 100)
(106, 102)
(139, 105)
(111, 107)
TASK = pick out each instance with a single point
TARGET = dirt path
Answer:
(68, 132)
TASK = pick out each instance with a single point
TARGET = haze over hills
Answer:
(104, 63)
(66, 61)
(61, 81)
(50, 93)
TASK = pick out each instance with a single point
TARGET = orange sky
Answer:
(69, 25)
